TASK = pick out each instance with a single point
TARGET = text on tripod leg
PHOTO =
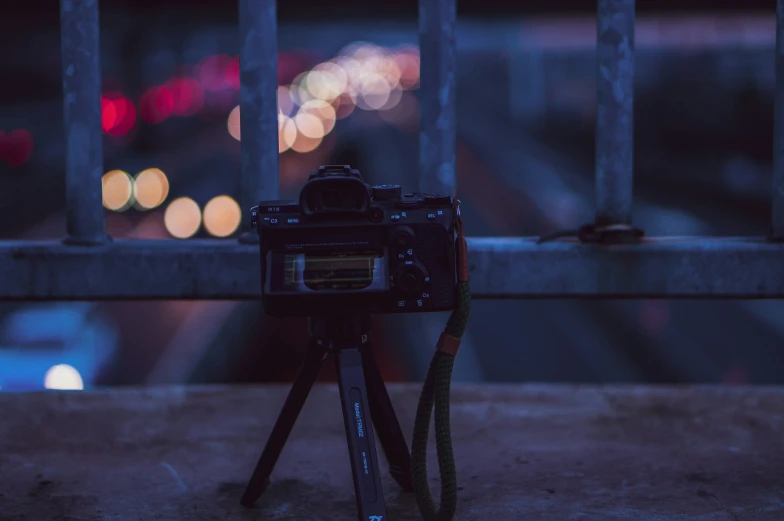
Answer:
(358, 416)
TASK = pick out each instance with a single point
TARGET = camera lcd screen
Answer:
(346, 271)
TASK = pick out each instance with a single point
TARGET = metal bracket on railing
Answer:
(609, 234)
(599, 234)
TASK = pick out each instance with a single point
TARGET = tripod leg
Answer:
(385, 420)
(307, 375)
(359, 435)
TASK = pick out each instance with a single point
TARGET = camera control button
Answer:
(431, 216)
(376, 214)
(408, 280)
(409, 283)
(395, 217)
(272, 220)
(403, 239)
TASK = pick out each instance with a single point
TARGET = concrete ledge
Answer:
(500, 268)
(523, 452)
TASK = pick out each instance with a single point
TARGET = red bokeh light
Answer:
(108, 114)
(156, 105)
(187, 96)
(16, 147)
(231, 74)
(213, 72)
(118, 114)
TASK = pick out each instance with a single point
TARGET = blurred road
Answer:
(525, 167)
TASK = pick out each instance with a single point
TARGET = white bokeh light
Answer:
(63, 377)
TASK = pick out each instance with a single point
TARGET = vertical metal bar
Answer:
(614, 111)
(438, 114)
(258, 104)
(79, 35)
(778, 132)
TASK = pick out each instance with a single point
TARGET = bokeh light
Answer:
(285, 103)
(407, 60)
(150, 188)
(304, 144)
(326, 81)
(156, 105)
(187, 96)
(363, 75)
(233, 123)
(108, 114)
(287, 133)
(117, 190)
(63, 377)
(344, 106)
(118, 114)
(309, 125)
(388, 69)
(298, 90)
(182, 218)
(373, 92)
(217, 72)
(231, 73)
(395, 95)
(222, 216)
(323, 111)
(287, 129)
(351, 66)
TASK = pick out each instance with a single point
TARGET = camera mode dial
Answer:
(386, 192)
(409, 279)
(437, 200)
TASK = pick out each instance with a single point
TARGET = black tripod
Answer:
(346, 338)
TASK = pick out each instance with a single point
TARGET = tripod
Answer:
(362, 391)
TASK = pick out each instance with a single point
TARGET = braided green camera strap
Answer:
(436, 394)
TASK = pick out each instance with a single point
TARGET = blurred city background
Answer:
(348, 94)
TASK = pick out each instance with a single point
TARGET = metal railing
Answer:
(88, 264)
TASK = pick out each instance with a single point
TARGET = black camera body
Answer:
(348, 248)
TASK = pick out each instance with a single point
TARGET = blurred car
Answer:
(54, 346)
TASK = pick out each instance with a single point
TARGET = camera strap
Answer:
(436, 395)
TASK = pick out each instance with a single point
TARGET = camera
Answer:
(348, 248)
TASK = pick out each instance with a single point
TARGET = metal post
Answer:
(438, 115)
(258, 105)
(778, 133)
(79, 35)
(614, 111)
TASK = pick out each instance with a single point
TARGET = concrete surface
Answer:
(523, 452)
